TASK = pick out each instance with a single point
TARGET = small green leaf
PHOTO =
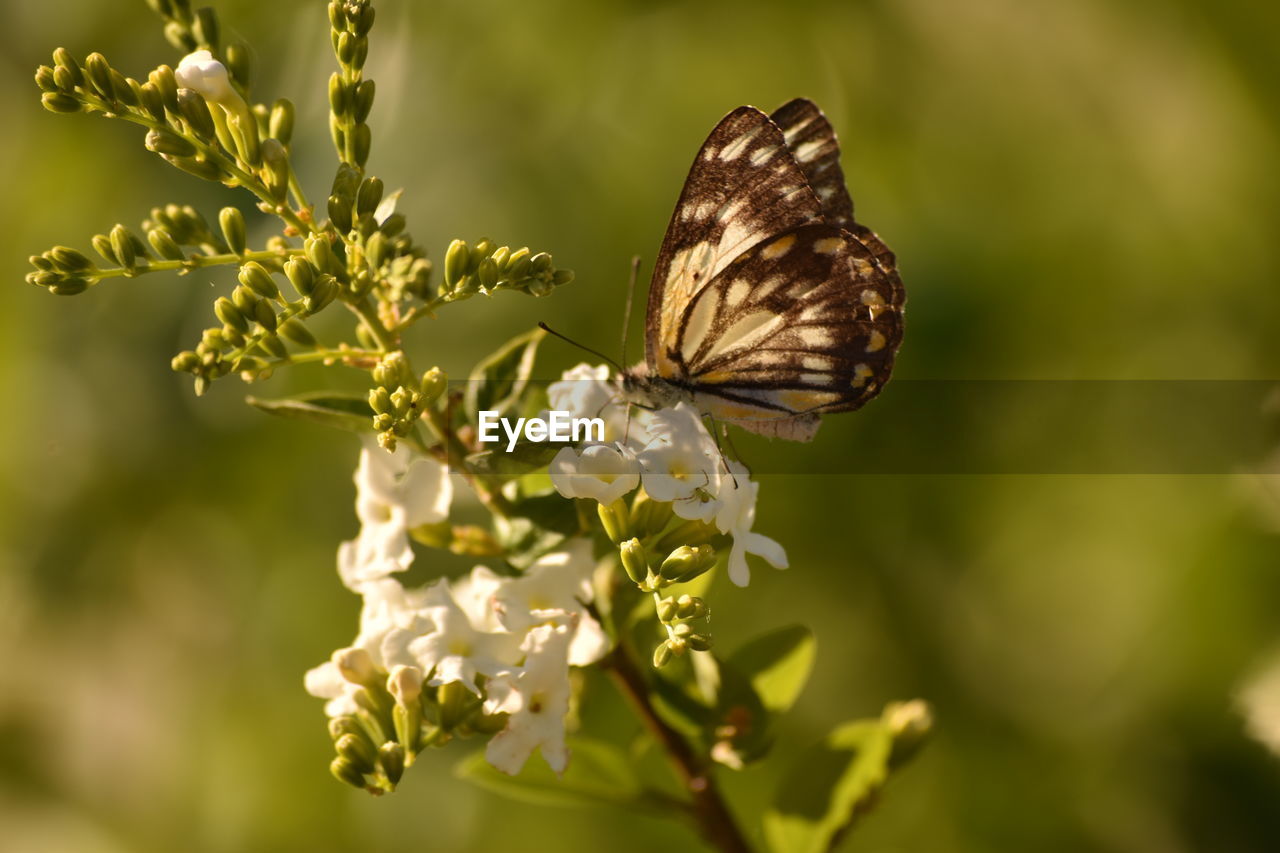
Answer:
(837, 781)
(499, 381)
(526, 456)
(778, 664)
(598, 773)
(343, 411)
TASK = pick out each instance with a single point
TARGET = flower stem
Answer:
(709, 810)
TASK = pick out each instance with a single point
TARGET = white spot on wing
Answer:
(807, 151)
(762, 154)
(739, 145)
(746, 332)
(792, 132)
(700, 319)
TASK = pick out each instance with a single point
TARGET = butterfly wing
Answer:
(803, 323)
(812, 141)
(744, 187)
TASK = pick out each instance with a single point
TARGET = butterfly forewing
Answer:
(801, 323)
(812, 141)
(744, 187)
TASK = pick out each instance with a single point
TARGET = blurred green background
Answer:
(1077, 189)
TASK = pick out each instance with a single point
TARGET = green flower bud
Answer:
(339, 101)
(346, 724)
(453, 699)
(699, 642)
(102, 245)
(255, 276)
(266, 317)
(666, 609)
(540, 263)
(40, 262)
(276, 160)
(346, 50)
(245, 300)
(237, 60)
(280, 125)
(662, 655)
(123, 246)
(562, 277)
(689, 607)
(153, 101)
(687, 562)
(319, 252)
(205, 28)
(358, 750)
(45, 79)
(434, 383)
(634, 561)
(56, 102)
(98, 71)
(244, 130)
(614, 520)
(363, 100)
(269, 341)
(375, 249)
(456, 261)
(231, 220)
(340, 213)
(124, 88)
(346, 181)
(163, 244)
(202, 169)
(64, 81)
(192, 107)
(300, 274)
(391, 759)
(185, 362)
(369, 197)
(296, 331)
(343, 770)
(63, 59)
(69, 286)
(227, 312)
(380, 400)
(70, 260)
(488, 274)
(326, 289)
(167, 85)
(362, 141)
(163, 141)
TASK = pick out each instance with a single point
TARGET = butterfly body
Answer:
(769, 305)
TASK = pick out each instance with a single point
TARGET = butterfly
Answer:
(769, 304)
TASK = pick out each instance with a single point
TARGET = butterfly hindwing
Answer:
(744, 187)
(800, 324)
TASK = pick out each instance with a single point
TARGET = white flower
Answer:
(681, 463)
(390, 618)
(475, 593)
(602, 472)
(207, 76)
(395, 492)
(537, 699)
(556, 586)
(456, 650)
(589, 392)
(736, 516)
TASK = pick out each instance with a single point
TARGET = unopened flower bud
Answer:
(254, 276)
(344, 771)
(358, 750)
(233, 229)
(634, 561)
(662, 655)
(356, 665)
(206, 76)
(456, 261)
(434, 383)
(687, 562)
(300, 274)
(391, 759)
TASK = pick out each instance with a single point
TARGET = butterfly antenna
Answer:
(544, 327)
(626, 313)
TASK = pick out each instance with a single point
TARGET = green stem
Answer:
(196, 262)
(708, 808)
(369, 316)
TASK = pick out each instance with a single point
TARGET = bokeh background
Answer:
(1076, 190)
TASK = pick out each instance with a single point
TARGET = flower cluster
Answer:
(670, 455)
(481, 654)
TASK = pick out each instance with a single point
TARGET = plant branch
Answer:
(709, 809)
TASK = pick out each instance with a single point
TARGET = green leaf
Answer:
(499, 381)
(778, 664)
(598, 773)
(343, 411)
(526, 456)
(839, 780)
